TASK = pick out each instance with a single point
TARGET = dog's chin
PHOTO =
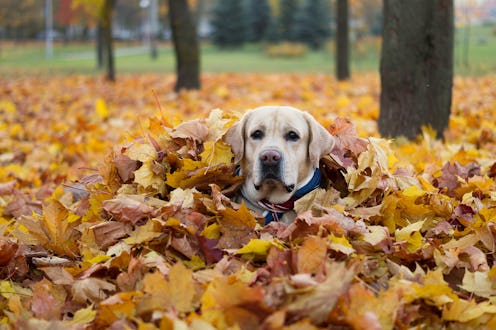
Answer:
(274, 190)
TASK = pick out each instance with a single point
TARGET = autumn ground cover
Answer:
(113, 210)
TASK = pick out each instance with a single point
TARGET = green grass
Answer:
(29, 58)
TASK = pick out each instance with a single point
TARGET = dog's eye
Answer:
(292, 136)
(257, 135)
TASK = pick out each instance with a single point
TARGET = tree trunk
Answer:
(416, 66)
(99, 46)
(185, 45)
(342, 41)
(108, 8)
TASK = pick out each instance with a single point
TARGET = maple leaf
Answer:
(125, 167)
(181, 288)
(47, 300)
(194, 129)
(91, 289)
(226, 300)
(451, 173)
(216, 153)
(201, 178)
(52, 230)
(310, 256)
(332, 220)
(128, 209)
(318, 303)
(151, 176)
(346, 137)
(237, 227)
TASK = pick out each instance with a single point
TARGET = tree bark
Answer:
(108, 8)
(342, 41)
(416, 66)
(99, 46)
(186, 46)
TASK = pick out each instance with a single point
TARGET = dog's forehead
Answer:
(281, 118)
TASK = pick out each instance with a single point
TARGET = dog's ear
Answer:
(235, 136)
(321, 141)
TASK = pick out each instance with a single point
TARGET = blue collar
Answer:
(274, 212)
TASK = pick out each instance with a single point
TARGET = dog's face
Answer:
(278, 149)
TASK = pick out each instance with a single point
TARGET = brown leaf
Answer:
(48, 300)
(333, 221)
(91, 289)
(108, 233)
(22, 204)
(202, 178)
(237, 227)
(127, 209)
(7, 188)
(194, 129)
(450, 174)
(8, 248)
(318, 303)
(125, 167)
(311, 255)
(346, 137)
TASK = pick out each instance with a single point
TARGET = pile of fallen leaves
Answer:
(404, 235)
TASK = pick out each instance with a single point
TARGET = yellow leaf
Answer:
(257, 247)
(340, 244)
(195, 263)
(98, 259)
(142, 152)
(218, 123)
(145, 233)
(9, 289)
(216, 153)
(101, 108)
(434, 289)
(8, 107)
(464, 311)
(342, 101)
(413, 192)
(147, 178)
(60, 233)
(83, 316)
(411, 235)
(181, 288)
(212, 231)
(155, 283)
(478, 283)
(241, 218)
(183, 197)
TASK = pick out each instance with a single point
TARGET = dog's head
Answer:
(278, 149)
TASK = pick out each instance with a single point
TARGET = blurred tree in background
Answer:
(312, 23)
(288, 10)
(303, 21)
(186, 46)
(21, 19)
(258, 16)
(342, 40)
(229, 24)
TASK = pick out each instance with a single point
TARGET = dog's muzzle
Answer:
(271, 168)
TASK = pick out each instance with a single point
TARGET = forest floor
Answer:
(113, 213)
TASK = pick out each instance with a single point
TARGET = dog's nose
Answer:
(270, 157)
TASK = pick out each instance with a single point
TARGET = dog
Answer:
(277, 149)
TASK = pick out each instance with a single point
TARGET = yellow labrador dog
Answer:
(278, 149)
